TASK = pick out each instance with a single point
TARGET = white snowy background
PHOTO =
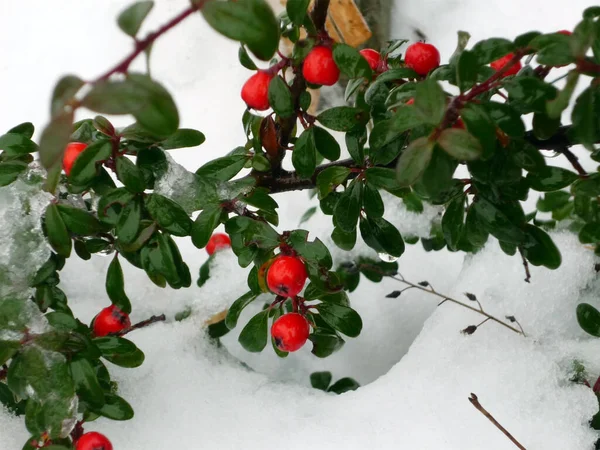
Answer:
(415, 368)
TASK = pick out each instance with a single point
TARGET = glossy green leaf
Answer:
(414, 161)
(79, 221)
(589, 319)
(204, 225)
(86, 382)
(344, 385)
(249, 21)
(386, 131)
(344, 240)
(325, 344)
(233, 314)
(320, 380)
(480, 125)
(253, 337)
(496, 222)
(491, 49)
(17, 144)
(58, 236)
(342, 118)
(183, 138)
(460, 144)
(590, 233)
(304, 155)
(529, 94)
(115, 286)
(453, 222)
(223, 168)
(130, 175)
(280, 97)
(430, 102)
(296, 10)
(9, 172)
(26, 129)
(585, 117)
(54, 139)
(131, 19)
(539, 249)
(115, 408)
(467, 69)
(168, 215)
(127, 360)
(86, 166)
(382, 236)
(341, 318)
(128, 224)
(330, 178)
(326, 144)
(372, 202)
(551, 179)
(348, 206)
(507, 118)
(351, 62)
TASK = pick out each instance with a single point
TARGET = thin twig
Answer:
(142, 324)
(475, 402)
(526, 265)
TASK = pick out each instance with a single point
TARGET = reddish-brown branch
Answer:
(142, 324)
(141, 46)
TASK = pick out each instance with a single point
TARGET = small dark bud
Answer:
(511, 318)
(470, 329)
(394, 294)
(471, 296)
(597, 267)
(424, 283)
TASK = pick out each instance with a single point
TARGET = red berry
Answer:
(93, 441)
(411, 101)
(290, 332)
(255, 91)
(422, 57)
(286, 276)
(71, 153)
(217, 241)
(565, 32)
(110, 320)
(500, 63)
(372, 57)
(320, 68)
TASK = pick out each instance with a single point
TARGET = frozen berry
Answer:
(500, 63)
(320, 68)
(372, 57)
(71, 153)
(217, 241)
(255, 91)
(110, 320)
(422, 57)
(565, 32)
(93, 441)
(286, 276)
(290, 332)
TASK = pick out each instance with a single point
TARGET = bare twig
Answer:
(475, 402)
(142, 324)
(526, 266)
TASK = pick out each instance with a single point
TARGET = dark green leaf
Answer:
(64, 91)
(544, 127)
(86, 382)
(496, 222)
(223, 168)
(467, 69)
(130, 175)
(320, 380)
(386, 131)
(86, 166)
(9, 172)
(555, 107)
(414, 161)
(26, 129)
(552, 201)
(245, 59)
(205, 224)
(249, 21)
(54, 139)
(507, 118)
(584, 117)
(325, 344)
(79, 221)
(168, 215)
(58, 236)
(342, 118)
(589, 319)
(236, 308)
(491, 49)
(529, 94)
(381, 236)
(539, 249)
(351, 62)
(460, 144)
(342, 318)
(254, 335)
(280, 97)
(304, 155)
(127, 360)
(113, 345)
(355, 143)
(115, 286)
(590, 233)
(326, 144)
(131, 19)
(480, 125)
(182, 138)
(128, 224)
(296, 10)
(453, 222)
(115, 408)
(372, 202)
(17, 144)
(551, 179)
(344, 385)
(430, 102)
(347, 209)
(345, 241)
(330, 178)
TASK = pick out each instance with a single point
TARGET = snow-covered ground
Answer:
(416, 369)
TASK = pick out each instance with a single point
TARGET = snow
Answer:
(415, 367)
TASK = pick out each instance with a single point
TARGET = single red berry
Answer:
(411, 101)
(93, 441)
(110, 320)
(255, 91)
(320, 68)
(290, 332)
(422, 57)
(459, 124)
(565, 32)
(217, 241)
(372, 57)
(286, 276)
(71, 153)
(500, 63)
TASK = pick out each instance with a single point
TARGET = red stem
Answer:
(142, 45)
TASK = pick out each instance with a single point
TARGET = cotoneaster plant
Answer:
(406, 133)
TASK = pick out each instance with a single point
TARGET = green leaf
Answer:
(58, 236)
(168, 215)
(330, 178)
(325, 344)
(589, 186)
(130, 175)
(148, 101)
(551, 179)
(386, 131)
(480, 125)
(17, 144)
(590, 233)
(552, 201)
(589, 319)
(372, 202)
(539, 249)
(345, 241)
(507, 118)
(453, 222)
(223, 168)
(355, 143)
(584, 117)
(280, 98)
(310, 251)
(115, 286)
(131, 19)
(555, 107)
(79, 221)
(86, 382)
(115, 408)
(348, 206)
(103, 125)
(467, 70)
(496, 222)
(490, 50)
(254, 335)
(326, 144)
(128, 224)
(114, 345)
(87, 164)
(350, 62)
(342, 318)
(296, 10)
(344, 385)
(460, 144)
(205, 224)
(529, 94)
(474, 231)
(9, 172)
(320, 380)
(307, 215)
(342, 118)
(26, 129)
(54, 140)
(413, 161)
(381, 236)
(233, 314)
(304, 155)
(183, 138)
(430, 102)
(249, 21)
(127, 360)
(64, 91)
(245, 59)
